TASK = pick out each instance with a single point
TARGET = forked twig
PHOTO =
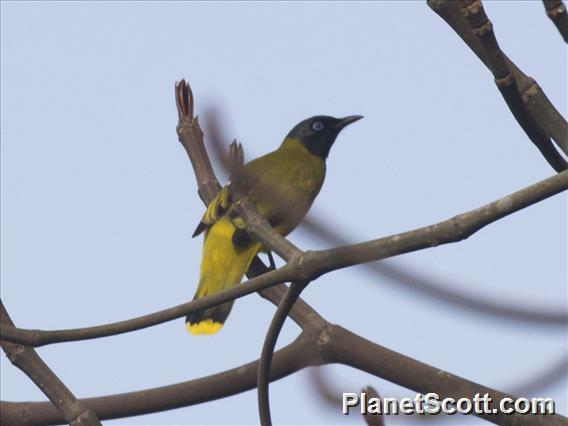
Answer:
(26, 359)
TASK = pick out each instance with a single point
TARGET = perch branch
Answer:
(313, 264)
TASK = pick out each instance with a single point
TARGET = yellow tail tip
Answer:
(203, 327)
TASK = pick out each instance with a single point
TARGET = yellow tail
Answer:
(222, 266)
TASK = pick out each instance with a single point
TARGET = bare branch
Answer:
(536, 102)
(191, 137)
(556, 11)
(231, 382)
(312, 264)
(452, 230)
(38, 338)
(507, 85)
(315, 346)
(292, 294)
(27, 360)
(357, 352)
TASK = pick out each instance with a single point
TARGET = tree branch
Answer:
(27, 360)
(452, 230)
(535, 101)
(191, 138)
(315, 346)
(313, 264)
(263, 377)
(507, 85)
(556, 11)
(38, 338)
(357, 352)
(221, 385)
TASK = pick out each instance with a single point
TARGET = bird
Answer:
(282, 185)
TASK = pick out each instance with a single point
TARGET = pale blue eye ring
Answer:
(317, 126)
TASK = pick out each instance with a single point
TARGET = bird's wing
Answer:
(222, 203)
(215, 210)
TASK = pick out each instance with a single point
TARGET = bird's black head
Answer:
(318, 133)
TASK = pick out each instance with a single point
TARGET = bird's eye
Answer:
(317, 126)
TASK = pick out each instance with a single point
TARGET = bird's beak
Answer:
(346, 121)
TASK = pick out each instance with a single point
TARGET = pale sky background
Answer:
(99, 200)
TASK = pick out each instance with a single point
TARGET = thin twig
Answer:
(38, 338)
(537, 104)
(507, 85)
(191, 138)
(556, 11)
(27, 360)
(270, 340)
